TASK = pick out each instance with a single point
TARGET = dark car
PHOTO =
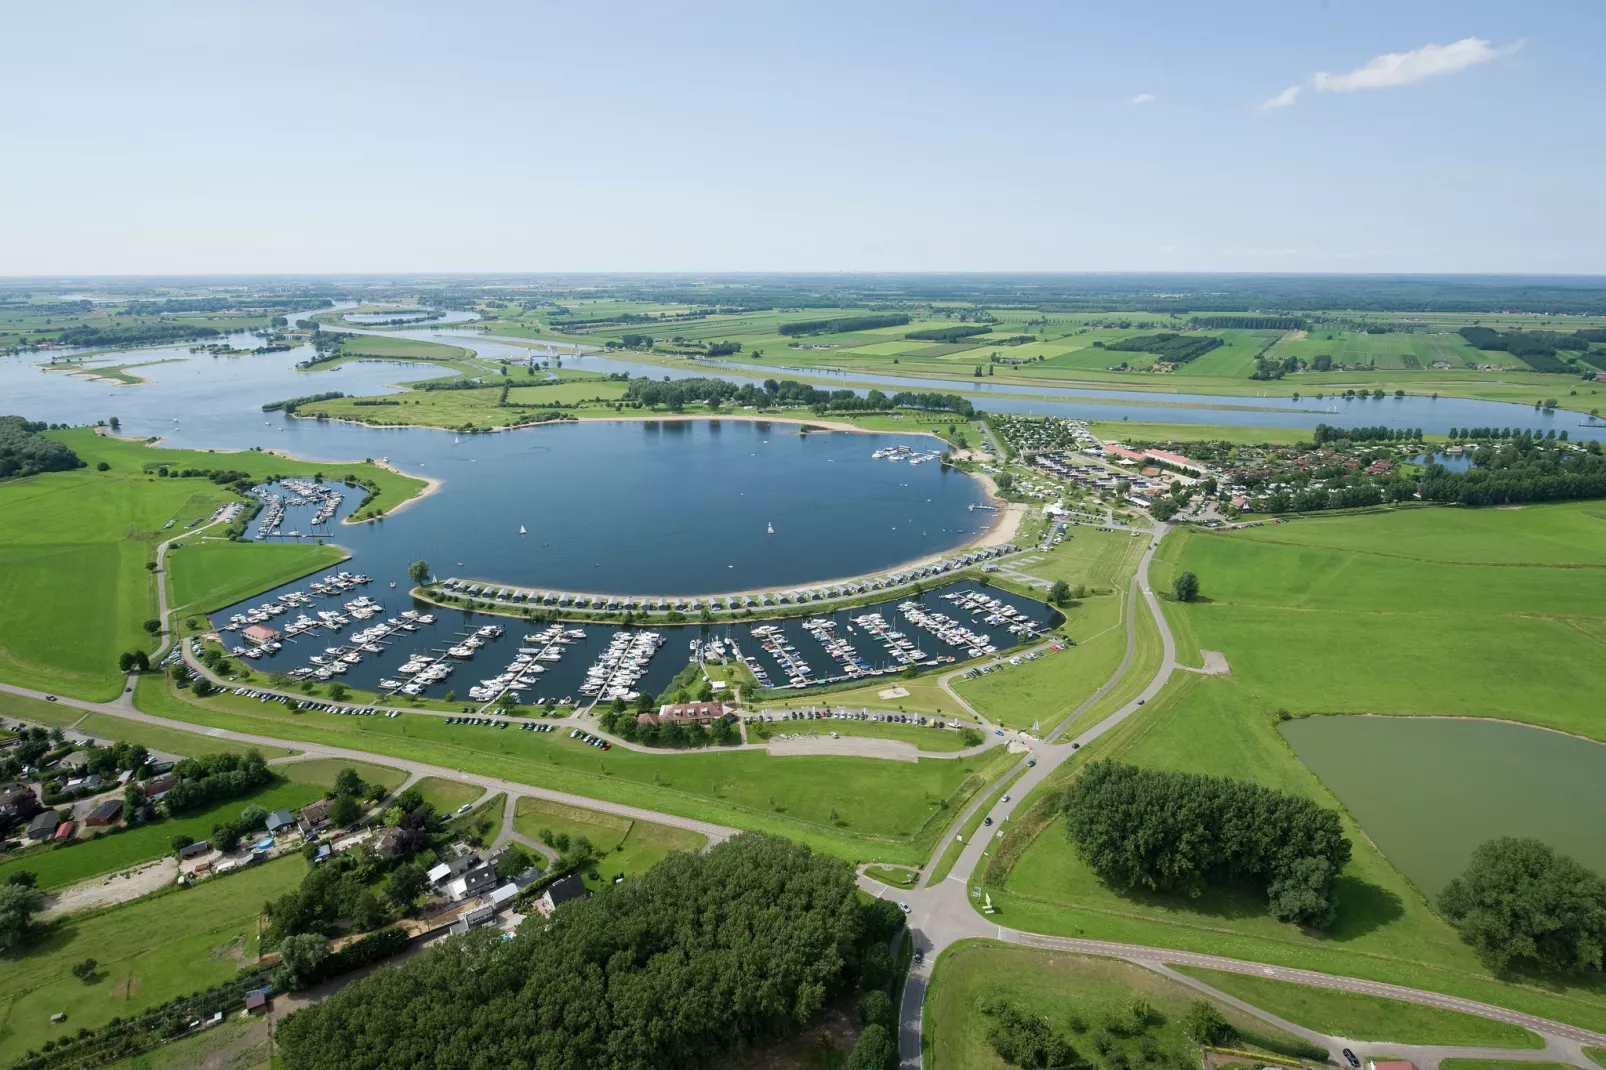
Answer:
(986, 821)
(1076, 746)
(1350, 1056)
(920, 955)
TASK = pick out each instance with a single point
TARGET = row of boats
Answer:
(621, 665)
(905, 453)
(325, 500)
(371, 640)
(530, 662)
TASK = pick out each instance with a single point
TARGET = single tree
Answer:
(347, 782)
(85, 970)
(18, 904)
(514, 861)
(1060, 593)
(874, 1050)
(1186, 587)
(418, 571)
(300, 958)
(344, 811)
(407, 883)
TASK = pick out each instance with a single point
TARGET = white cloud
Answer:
(1168, 249)
(1143, 98)
(1400, 68)
(1403, 68)
(1283, 99)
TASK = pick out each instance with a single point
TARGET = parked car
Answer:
(920, 955)
(1350, 1057)
(986, 821)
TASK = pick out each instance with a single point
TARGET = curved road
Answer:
(942, 915)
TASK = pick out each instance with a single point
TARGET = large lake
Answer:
(1429, 790)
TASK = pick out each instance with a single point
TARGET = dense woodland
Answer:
(25, 452)
(1168, 345)
(1524, 906)
(1523, 470)
(1538, 349)
(844, 324)
(947, 334)
(143, 334)
(701, 957)
(1146, 829)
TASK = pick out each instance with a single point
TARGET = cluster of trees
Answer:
(213, 778)
(25, 452)
(332, 892)
(135, 334)
(844, 324)
(719, 733)
(947, 334)
(1167, 345)
(1537, 349)
(1522, 905)
(1464, 434)
(1252, 323)
(290, 405)
(698, 959)
(1184, 832)
(226, 304)
(1524, 470)
(1326, 433)
(676, 394)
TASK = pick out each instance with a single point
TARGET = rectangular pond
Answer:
(1429, 790)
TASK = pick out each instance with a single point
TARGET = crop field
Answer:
(844, 804)
(61, 866)
(1394, 351)
(625, 847)
(208, 574)
(1062, 989)
(149, 951)
(1364, 1017)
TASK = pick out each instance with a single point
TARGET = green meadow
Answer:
(625, 847)
(321, 772)
(148, 951)
(1068, 991)
(208, 574)
(447, 795)
(1364, 1017)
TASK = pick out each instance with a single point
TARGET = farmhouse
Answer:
(560, 892)
(314, 816)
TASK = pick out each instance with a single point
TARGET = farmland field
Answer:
(149, 951)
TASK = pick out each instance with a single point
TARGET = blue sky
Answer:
(803, 137)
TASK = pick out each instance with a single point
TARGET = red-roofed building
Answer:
(1120, 452)
(1175, 460)
(259, 634)
(64, 831)
(685, 713)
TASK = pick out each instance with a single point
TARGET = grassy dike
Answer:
(864, 809)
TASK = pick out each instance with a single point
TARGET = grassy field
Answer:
(237, 1044)
(74, 587)
(38, 711)
(388, 347)
(57, 867)
(1066, 990)
(447, 795)
(149, 951)
(968, 831)
(166, 740)
(932, 740)
(1362, 1017)
(321, 772)
(464, 409)
(1482, 613)
(893, 876)
(854, 807)
(626, 847)
(208, 574)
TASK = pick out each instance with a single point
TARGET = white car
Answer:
(904, 907)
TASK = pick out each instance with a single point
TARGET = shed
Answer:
(106, 813)
(256, 1001)
(199, 847)
(280, 819)
(44, 825)
(64, 831)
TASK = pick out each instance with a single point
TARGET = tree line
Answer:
(1537, 349)
(698, 959)
(1326, 433)
(290, 405)
(135, 334)
(1253, 323)
(844, 324)
(1523, 470)
(947, 334)
(676, 394)
(213, 778)
(1186, 832)
(1167, 345)
(25, 452)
